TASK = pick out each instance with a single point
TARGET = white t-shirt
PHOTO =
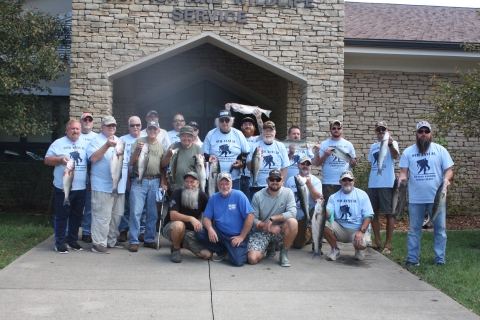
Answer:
(293, 167)
(199, 142)
(129, 141)
(386, 179)
(349, 210)
(425, 171)
(162, 136)
(317, 184)
(333, 166)
(172, 135)
(64, 147)
(88, 136)
(275, 156)
(226, 147)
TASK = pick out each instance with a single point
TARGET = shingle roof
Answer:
(372, 21)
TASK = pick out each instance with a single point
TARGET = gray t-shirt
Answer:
(264, 205)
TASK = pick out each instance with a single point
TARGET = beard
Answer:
(423, 144)
(347, 189)
(304, 172)
(190, 197)
(268, 140)
(274, 187)
(225, 192)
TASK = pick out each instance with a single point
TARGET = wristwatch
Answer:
(363, 230)
(270, 219)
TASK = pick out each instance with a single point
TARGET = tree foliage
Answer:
(28, 59)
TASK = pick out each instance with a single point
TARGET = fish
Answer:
(200, 169)
(339, 153)
(67, 180)
(243, 159)
(395, 192)
(318, 227)
(248, 109)
(382, 153)
(142, 163)
(256, 162)
(299, 144)
(402, 199)
(116, 165)
(212, 178)
(173, 166)
(440, 198)
(302, 195)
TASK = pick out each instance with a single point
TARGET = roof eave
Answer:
(404, 44)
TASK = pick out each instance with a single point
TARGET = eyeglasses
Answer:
(308, 164)
(336, 128)
(274, 179)
(347, 180)
(226, 120)
(135, 125)
(113, 125)
(381, 129)
(423, 131)
(178, 120)
(87, 119)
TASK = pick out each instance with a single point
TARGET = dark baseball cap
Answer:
(194, 124)
(192, 174)
(275, 173)
(224, 114)
(248, 119)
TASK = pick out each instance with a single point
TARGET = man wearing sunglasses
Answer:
(152, 115)
(426, 165)
(380, 186)
(274, 210)
(349, 212)
(178, 122)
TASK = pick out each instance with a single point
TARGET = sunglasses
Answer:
(423, 131)
(178, 120)
(347, 180)
(308, 164)
(195, 129)
(336, 128)
(87, 119)
(274, 179)
(113, 125)
(226, 120)
(135, 125)
(381, 129)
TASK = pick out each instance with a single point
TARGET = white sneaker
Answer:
(359, 254)
(333, 254)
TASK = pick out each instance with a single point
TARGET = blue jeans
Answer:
(237, 255)
(87, 214)
(143, 196)
(416, 211)
(125, 223)
(68, 215)
(236, 184)
(245, 185)
(253, 190)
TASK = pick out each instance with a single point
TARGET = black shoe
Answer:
(75, 246)
(87, 238)
(141, 237)
(409, 264)
(61, 249)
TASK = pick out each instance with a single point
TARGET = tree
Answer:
(28, 58)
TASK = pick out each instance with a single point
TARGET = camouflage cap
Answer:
(347, 174)
(381, 124)
(108, 120)
(305, 158)
(192, 174)
(187, 130)
(269, 124)
(224, 175)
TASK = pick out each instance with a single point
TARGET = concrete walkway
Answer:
(145, 285)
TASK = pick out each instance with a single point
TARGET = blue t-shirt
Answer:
(275, 156)
(333, 166)
(317, 184)
(64, 147)
(226, 147)
(230, 212)
(293, 167)
(386, 179)
(88, 136)
(425, 171)
(172, 135)
(349, 210)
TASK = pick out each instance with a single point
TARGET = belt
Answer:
(148, 177)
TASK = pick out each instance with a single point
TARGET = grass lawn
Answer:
(20, 233)
(460, 277)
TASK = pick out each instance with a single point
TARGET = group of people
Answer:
(257, 210)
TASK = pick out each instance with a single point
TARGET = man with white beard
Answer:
(182, 220)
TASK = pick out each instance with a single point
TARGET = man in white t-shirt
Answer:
(152, 115)
(426, 165)
(295, 154)
(178, 122)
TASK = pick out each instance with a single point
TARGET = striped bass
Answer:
(438, 203)
(340, 154)
(67, 180)
(248, 109)
(142, 163)
(302, 195)
(318, 226)
(212, 177)
(256, 162)
(402, 199)
(382, 153)
(200, 169)
(116, 164)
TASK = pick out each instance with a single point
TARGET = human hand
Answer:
(237, 240)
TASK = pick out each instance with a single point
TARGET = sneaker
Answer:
(220, 257)
(176, 256)
(333, 254)
(271, 250)
(409, 264)
(87, 238)
(284, 262)
(75, 246)
(439, 264)
(100, 249)
(61, 249)
(133, 248)
(152, 245)
(123, 236)
(359, 254)
(116, 245)
(141, 237)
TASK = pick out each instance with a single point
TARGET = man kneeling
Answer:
(186, 207)
(349, 213)
(275, 210)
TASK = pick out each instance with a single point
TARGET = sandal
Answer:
(375, 246)
(386, 250)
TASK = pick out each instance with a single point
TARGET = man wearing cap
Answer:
(426, 165)
(333, 166)
(196, 131)
(186, 152)
(183, 218)
(143, 191)
(380, 186)
(314, 192)
(225, 144)
(68, 210)
(274, 211)
(348, 214)
(152, 115)
(294, 155)
(275, 156)
(233, 218)
(107, 207)
(86, 121)
(178, 122)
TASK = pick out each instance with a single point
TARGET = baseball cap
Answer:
(275, 173)
(153, 123)
(248, 119)
(194, 124)
(424, 124)
(269, 124)
(108, 120)
(192, 174)
(347, 174)
(305, 158)
(185, 129)
(224, 175)
(224, 114)
(86, 114)
(336, 121)
(150, 112)
(381, 124)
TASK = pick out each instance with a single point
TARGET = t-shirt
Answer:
(317, 184)
(199, 143)
(275, 156)
(161, 136)
(100, 176)
(349, 210)
(425, 171)
(185, 162)
(64, 147)
(172, 135)
(298, 154)
(230, 212)
(176, 205)
(156, 151)
(386, 179)
(88, 136)
(251, 142)
(264, 205)
(225, 147)
(333, 166)
(129, 140)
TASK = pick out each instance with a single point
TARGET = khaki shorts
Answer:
(347, 235)
(381, 199)
(259, 240)
(189, 239)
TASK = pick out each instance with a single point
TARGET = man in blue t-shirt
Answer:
(233, 217)
(427, 165)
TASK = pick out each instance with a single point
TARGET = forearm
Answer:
(403, 174)
(53, 161)
(365, 223)
(97, 155)
(448, 174)
(393, 151)
(177, 216)
(247, 226)
(207, 223)
(313, 192)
